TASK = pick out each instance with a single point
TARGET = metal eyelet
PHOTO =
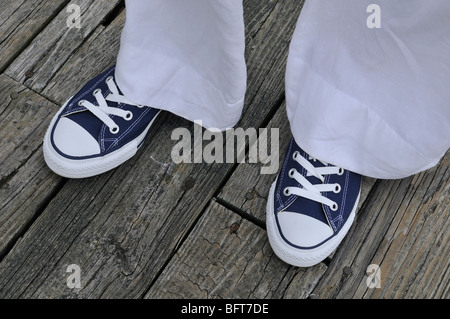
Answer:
(337, 189)
(80, 103)
(334, 207)
(292, 172)
(129, 116)
(286, 192)
(341, 172)
(96, 91)
(109, 78)
(114, 130)
(295, 155)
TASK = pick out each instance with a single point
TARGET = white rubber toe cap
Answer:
(302, 230)
(73, 140)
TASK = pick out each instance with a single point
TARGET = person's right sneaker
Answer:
(310, 208)
(96, 130)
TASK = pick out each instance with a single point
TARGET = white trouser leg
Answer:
(185, 56)
(373, 101)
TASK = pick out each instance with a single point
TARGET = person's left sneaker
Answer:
(310, 208)
(96, 130)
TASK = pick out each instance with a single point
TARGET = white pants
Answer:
(375, 101)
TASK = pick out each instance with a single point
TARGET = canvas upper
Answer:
(305, 223)
(77, 133)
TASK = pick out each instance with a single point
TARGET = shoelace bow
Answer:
(102, 110)
(313, 191)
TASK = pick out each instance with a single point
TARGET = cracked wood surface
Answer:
(226, 256)
(25, 181)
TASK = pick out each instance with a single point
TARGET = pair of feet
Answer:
(311, 205)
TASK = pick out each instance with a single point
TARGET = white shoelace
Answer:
(102, 111)
(314, 191)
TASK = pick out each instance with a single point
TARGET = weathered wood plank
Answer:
(414, 256)
(225, 257)
(51, 48)
(88, 61)
(25, 181)
(404, 229)
(123, 226)
(82, 215)
(20, 22)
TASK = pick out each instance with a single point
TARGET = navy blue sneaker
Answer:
(310, 208)
(96, 130)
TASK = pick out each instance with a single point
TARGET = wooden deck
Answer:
(153, 229)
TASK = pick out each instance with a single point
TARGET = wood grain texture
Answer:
(404, 228)
(20, 22)
(51, 48)
(25, 181)
(88, 61)
(228, 257)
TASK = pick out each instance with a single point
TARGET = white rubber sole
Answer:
(301, 257)
(88, 167)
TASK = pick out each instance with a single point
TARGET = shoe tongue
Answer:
(86, 92)
(85, 118)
